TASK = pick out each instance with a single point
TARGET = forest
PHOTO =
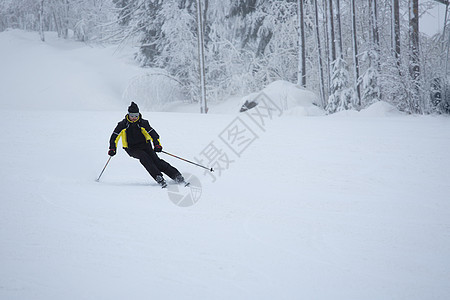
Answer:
(350, 53)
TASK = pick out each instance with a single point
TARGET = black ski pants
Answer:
(151, 162)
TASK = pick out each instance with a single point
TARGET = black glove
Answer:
(158, 148)
(112, 152)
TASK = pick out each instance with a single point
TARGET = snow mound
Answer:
(377, 109)
(287, 97)
(380, 109)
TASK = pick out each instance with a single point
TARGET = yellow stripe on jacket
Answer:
(123, 135)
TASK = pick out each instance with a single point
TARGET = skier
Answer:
(136, 134)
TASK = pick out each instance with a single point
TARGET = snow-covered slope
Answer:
(60, 75)
(350, 206)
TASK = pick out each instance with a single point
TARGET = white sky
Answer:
(432, 22)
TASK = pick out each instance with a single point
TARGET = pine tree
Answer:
(370, 87)
(343, 96)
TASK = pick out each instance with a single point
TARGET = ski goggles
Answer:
(133, 115)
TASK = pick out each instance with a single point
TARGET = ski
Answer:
(165, 184)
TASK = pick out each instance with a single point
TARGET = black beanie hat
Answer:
(133, 108)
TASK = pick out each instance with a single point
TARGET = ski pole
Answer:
(103, 169)
(209, 169)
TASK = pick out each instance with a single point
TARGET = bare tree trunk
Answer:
(327, 47)
(41, 20)
(201, 58)
(331, 37)
(301, 80)
(339, 29)
(444, 37)
(355, 54)
(396, 32)
(319, 56)
(265, 39)
(66, 19)
(375, 37)
(57, 21)
(373, 20)
(414, 53)
(205, 22)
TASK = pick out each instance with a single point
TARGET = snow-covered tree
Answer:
(250, 43)
(343, 95)
(370, 89)
(82, 17)
(147, 23)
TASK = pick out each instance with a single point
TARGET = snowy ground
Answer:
(349, 206)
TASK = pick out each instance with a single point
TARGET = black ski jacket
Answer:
(134, 134)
